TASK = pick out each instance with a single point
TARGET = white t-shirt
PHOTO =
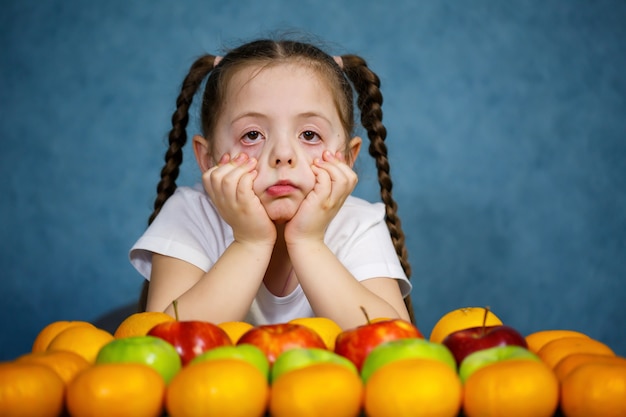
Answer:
(189, 228)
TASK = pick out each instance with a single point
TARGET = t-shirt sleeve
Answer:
(360, 238)
(187, 228)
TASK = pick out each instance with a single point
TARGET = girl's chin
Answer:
(281, 213)
(281, 218)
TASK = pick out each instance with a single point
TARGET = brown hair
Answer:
(354, 73)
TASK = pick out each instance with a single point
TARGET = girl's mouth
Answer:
(281, 189)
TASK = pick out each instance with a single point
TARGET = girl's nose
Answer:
(282, 152)
(280, 161)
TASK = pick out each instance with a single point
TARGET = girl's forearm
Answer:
(332, 290)
(226, 291)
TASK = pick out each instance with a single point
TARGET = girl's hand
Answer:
(334, 181)
(229, 184)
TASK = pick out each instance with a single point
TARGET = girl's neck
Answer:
(279, 277)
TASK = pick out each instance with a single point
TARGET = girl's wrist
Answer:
(260, 246)
(305, 246)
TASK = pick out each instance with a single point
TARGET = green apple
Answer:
(149, 350)
(248, 353)
(297, 358)
(411, 348)
(481, 358)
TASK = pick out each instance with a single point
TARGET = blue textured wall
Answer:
(507, 132)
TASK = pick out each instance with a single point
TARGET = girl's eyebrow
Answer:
(248, 114)
(305, 115)
(310, 115)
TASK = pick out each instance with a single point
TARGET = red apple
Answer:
(191, 338)
(355, 344)
(274, 339)
(463, 342)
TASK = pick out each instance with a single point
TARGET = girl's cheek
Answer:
(252, 152)
(314, 152)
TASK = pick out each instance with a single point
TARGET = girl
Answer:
(272, 233)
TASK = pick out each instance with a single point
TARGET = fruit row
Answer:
(472, 365)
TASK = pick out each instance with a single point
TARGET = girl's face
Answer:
(285, 117)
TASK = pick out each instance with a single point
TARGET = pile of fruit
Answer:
(154, 365)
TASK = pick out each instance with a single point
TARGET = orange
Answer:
(552, 352)
(322, 389)
(326, 328)
(235, 329)
(573, 361)
(413, 387)
(537, 339)
(139, 324)
(30, 389)
(220, 387)
(116, 389)
(65, 363)
(51, 330)
(84, 340)
(462, 318)
(594, 390)
(512, 388)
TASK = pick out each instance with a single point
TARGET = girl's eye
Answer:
(310, 136)
(252, 137)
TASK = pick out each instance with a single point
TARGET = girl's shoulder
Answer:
(189, 192)
(356, 216)
(191, 204)
(190, 196)
(363, 208)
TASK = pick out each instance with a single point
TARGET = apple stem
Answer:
(175, 305)
(487, 308)
(367, 317)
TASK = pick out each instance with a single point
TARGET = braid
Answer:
(177, 139)
(370, 99)
(178, 134)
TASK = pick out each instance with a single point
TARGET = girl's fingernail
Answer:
(329, 156)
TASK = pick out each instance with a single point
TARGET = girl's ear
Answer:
(201, 150)
(354, 147)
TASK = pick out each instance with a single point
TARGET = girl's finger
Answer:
(323, 182)
(232, 174)
(240, 158)
(338, 171)
(245, 186)
(328, 156)
(224, 159)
